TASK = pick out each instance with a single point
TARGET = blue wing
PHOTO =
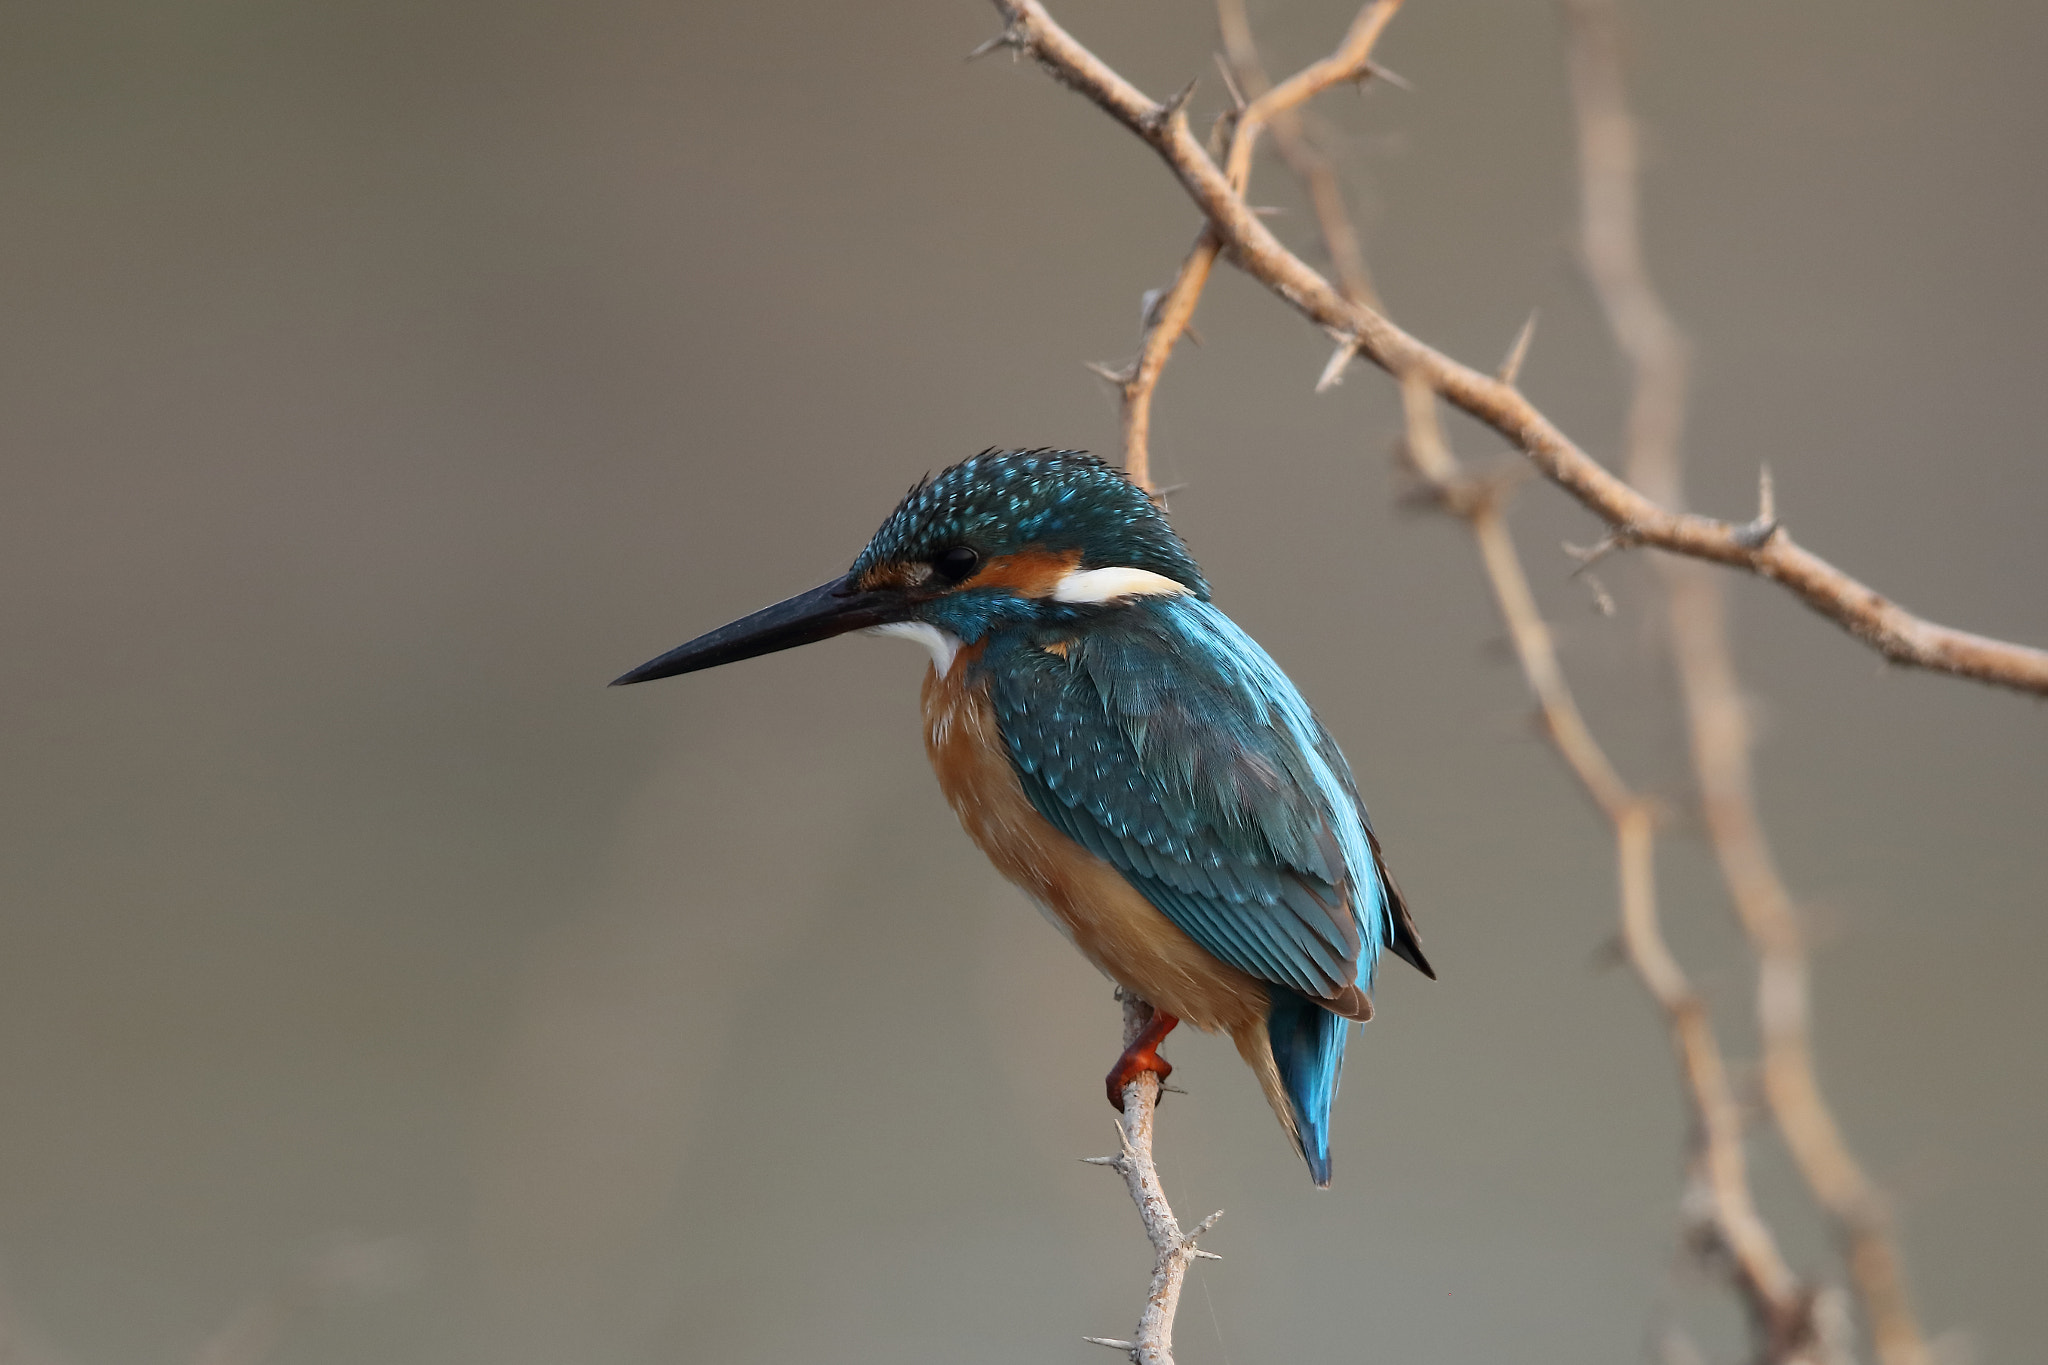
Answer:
(1168, 743)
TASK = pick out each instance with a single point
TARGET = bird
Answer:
(1129, 757)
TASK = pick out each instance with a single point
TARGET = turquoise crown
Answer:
(1003, 501)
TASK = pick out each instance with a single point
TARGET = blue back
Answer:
(1168, 743)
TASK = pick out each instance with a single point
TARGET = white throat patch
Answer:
(943, 644)
(1113, 585)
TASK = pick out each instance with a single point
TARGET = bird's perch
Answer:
(1173, 1250)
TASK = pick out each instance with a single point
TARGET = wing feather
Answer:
(1168, 744)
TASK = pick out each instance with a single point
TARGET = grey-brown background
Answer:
(378, 379)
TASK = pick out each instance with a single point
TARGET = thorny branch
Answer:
(1173, 1250)
(1794, 1322)
(1168, 314)
(1790, 1320)
(1352, 61)
(1719, 731)
(1299, 151)
(1632, 517)
(1165, 322)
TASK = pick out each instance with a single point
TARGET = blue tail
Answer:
(1308, 1048)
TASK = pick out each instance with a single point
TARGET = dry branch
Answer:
(1173, 1250)
(1168, 315)
(1351, 62)
(1611, 240)
(1784, 1313)
(1793, 1322)
(1633, 518)
(1166, 320)
(1306, 160)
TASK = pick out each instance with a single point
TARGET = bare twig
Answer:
(1719, 731)
(1167, 320)
(1895, 632)
(1720, 742)
(1781, 1308)
(1351, 62)
(1173, 1250)
(1658, 354)
(1300, 152)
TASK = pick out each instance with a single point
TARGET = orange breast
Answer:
(1121, 932)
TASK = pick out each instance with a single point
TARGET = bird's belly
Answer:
(1113, 925)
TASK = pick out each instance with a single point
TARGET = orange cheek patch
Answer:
(1028, 573)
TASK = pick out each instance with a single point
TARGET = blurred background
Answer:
(378, 380)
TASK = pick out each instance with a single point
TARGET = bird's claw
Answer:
(1129, 1067)
(1140, 1057)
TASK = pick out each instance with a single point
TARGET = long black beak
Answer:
(823, 612)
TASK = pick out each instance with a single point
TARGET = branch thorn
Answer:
(1390, 76)
(1756, 534)
(1149, 304)
(1110, 373)
(1170, 108)
(1007, 38)
(1511, 368)
(1148, 308)
(1373, 70)
(1588, 555)
(1333, 373)
(1114, 1343)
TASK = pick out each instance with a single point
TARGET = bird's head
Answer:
(1010, 536)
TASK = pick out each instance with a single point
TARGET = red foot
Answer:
(1140, 1057)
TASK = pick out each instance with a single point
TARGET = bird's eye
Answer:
(954, 565)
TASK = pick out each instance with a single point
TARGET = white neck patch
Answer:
(1112, 585)
(943, 644)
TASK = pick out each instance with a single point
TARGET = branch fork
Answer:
(1234, 229)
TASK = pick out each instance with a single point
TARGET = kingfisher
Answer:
(1129, 757)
